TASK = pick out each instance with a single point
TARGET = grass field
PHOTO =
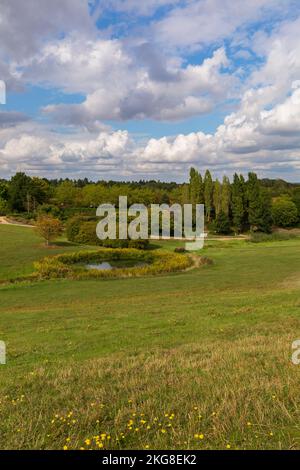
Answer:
(195, 360)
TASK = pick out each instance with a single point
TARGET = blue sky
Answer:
(136, 89)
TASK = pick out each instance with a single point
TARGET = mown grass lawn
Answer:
(200, 359)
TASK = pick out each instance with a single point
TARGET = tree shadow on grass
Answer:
(63, 244)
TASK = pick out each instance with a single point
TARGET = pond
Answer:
(108, 265)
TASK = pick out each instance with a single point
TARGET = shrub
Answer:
(284, 212)
(73, 227)
(87, 234)
(49, 209)
(138, 244)
(82, 230)
(259, 237)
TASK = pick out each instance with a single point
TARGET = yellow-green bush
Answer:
(68, 265)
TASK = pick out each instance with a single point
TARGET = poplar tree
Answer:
(226, 195)
(208, 194)
(237, 204)
(259, 206)
(196, 187)
(217, 197)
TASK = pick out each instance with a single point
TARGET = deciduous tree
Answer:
(49, 228)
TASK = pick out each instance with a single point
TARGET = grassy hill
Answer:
(195, 360)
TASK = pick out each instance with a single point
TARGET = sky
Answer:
(131, 89)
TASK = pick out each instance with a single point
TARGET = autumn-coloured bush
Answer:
(49, 228)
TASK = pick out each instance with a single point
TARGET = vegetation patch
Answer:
(73, 265)
(259, 237)
(82, 230)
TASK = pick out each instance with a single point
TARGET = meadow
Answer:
(195, 360)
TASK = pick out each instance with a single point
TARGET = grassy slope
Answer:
(214, 342)
(20, 247)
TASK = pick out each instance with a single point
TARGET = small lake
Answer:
(109, 265)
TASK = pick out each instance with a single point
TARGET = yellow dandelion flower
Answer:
(228, 446)
(65, 447)
(88, 442)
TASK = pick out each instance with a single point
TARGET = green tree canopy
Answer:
(284, 212)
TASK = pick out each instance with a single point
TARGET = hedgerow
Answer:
(82, 230)
(73, 265)
(259, 237)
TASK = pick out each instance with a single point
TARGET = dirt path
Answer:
(4, 221)
(206, 239)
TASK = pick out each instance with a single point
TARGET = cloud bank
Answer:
(180, 60)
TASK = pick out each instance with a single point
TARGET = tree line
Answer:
(240, 205)
(237, 205)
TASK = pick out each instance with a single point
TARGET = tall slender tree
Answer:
(237, 204)
(208, 194)
(196, 187)
(226, 195)
(259, 206)
(19, 193)
(217, 197)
